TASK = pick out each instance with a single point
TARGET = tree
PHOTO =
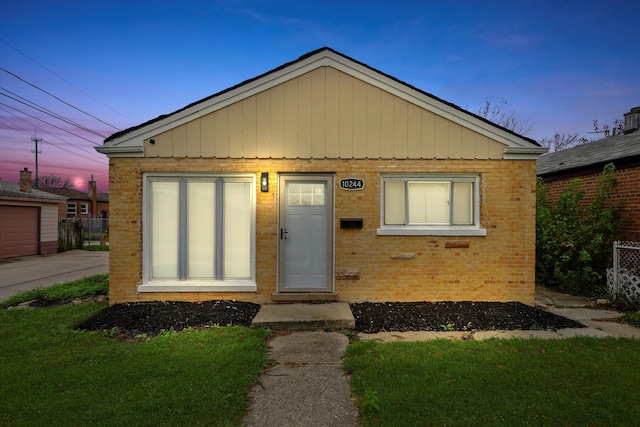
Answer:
(495, 111)
(53, 181)
(562, 141)
(616, 128)
(574, 238)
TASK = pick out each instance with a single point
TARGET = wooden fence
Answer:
(69, 235)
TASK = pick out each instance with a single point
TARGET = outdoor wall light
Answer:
(264, 182)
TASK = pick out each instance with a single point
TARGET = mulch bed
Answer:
(454, 316)
(152, 318)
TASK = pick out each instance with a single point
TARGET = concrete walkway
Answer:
(307, 386)
(25, 273)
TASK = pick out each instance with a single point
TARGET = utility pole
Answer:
(36, 140)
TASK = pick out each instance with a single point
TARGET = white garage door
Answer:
(19, 231)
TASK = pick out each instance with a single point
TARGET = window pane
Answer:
(429, 203)
(164, 229)
(305, 194)
(237, 230)
(394, 202)
(201, 224)
(462, 203)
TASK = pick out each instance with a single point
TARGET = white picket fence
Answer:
(623, 279)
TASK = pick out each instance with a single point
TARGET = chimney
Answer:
(632, 120)
(93, 196)
(25, 181)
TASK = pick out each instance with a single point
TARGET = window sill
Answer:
(429, 231)
(198, 286)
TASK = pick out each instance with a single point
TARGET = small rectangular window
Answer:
(84, 209)
(430, 204)
(71, 208)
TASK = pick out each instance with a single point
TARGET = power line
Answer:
(48, 112)
(50, 124)
(61, 78)
(55, 97)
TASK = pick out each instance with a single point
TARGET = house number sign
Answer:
(352, 184)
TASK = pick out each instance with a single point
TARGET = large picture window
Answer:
(199, 232)
(430, 204)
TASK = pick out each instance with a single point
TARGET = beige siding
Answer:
(323, 114)
(49, 223)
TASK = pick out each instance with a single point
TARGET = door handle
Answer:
(283, 234)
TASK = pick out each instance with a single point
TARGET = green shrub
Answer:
(574, 239)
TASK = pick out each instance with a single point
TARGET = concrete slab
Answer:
(307, 387)
(614, 329)
(548, 297)
(333, 316)
(583, 332)
(25, 273)
(580, 314)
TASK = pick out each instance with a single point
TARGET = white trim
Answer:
(131, 144)
(199, 286)
(523, 153)
(429, 231)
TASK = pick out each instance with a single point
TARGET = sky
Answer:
(73, 72)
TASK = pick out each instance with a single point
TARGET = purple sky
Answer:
(558, 64)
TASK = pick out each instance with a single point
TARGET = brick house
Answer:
(321, 179)
(586, 162)
(28, 219)
(82, 205)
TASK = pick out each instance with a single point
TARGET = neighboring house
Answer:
(322, 179)
(586, 162)
(81, 205)
(28, 219)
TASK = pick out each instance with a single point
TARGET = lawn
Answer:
(581, 381)
(55, 375)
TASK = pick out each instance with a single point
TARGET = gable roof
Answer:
(129, 142)
(593, 154)
(9, 189)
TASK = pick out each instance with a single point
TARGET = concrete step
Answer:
(334, 316)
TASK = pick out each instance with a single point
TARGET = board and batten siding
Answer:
(323, 114)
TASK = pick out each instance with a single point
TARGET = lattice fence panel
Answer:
(623, 280)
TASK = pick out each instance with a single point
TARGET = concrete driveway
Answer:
(24, 273)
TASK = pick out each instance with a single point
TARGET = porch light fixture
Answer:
(264, 182)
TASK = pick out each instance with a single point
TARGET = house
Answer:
(321, 179)
(586, 162)
(28, 219)
(82, 205)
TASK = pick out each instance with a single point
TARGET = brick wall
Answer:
(626, 191)
(498, 267)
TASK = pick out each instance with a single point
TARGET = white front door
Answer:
(305, 251)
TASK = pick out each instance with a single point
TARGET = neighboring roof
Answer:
(9, 189)
(67, 193)
(73, 194)
(591, 154)
(129, 142)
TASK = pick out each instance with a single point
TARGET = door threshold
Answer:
(304, 297)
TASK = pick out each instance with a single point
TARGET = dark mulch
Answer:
(455, 316)
(152, 318)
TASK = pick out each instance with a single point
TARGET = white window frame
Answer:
(150, 284)
(432, 230)
(73, 211)
(84, 209)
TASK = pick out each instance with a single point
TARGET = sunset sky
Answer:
(74, 72)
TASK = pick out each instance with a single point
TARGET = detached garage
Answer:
(28, 219)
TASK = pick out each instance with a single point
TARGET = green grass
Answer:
(580, 381)
(85, 287)
(54, 375)
(632, 318)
